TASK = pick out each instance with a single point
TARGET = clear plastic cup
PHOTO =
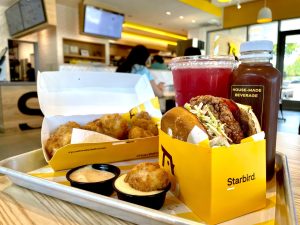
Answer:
(201, 75)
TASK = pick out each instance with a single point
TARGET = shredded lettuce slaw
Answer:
(214, 127)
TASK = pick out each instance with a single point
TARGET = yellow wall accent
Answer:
(281, 9)
(205, 6)
(153, 30)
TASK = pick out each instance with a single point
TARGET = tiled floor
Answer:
(20, 142)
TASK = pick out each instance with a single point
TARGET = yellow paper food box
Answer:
(217, 184)
(85, 96)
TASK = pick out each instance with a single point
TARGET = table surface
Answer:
(22, 206)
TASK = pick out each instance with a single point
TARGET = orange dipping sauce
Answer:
(88, 175)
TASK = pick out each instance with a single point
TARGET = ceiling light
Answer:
(193, 21)
(181, 17)
(168, 13)
(152, 30)
(214, 22)
(224, 1)
(264, 14)
(139, 38)
(238, 5)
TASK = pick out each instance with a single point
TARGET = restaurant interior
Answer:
(59, 35)
(58, 39)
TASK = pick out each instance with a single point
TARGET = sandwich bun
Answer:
(249, 118)
(179, 123)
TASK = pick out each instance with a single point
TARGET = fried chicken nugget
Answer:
(137, 132)
(60, 137)
(114, 125)
(146, 127)
(147, 177)
(95, 125)
(143, 115)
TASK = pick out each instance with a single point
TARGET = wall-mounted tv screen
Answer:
(24, 15)
(33, 13)
(14, 19)
(102, 22)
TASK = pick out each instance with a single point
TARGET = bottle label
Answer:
(252, 95)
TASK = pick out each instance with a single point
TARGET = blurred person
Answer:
(120, 61)
(30, 72)
(136, 63)
(14, 69)
(158, 63)
(192, 51)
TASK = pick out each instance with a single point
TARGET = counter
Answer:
(19, 107)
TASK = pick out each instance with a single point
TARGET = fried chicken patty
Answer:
(147, 177)
(222, 112)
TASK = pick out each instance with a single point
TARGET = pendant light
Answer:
(264, 14)
(238, 5)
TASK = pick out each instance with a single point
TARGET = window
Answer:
(291, 24)
(226, 42)
(267, 31)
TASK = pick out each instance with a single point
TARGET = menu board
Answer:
(14, 19)
(33, 12)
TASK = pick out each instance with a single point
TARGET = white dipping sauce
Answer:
(88, 174)
(124, 187)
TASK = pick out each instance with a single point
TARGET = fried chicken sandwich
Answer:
(221, 120)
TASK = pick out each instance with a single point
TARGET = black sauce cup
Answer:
(102, 187)
(154, 201)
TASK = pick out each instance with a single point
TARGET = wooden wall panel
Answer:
(12, 117)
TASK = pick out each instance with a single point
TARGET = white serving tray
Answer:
(17, 167)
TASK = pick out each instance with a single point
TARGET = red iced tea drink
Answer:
(201, 75)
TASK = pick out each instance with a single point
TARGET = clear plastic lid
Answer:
(202, 61)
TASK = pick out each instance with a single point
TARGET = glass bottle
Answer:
(257, 83)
